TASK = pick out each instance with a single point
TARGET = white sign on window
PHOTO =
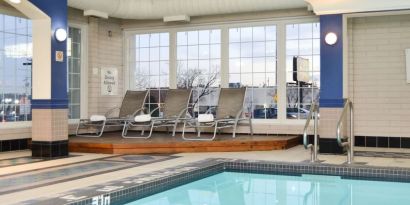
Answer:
(109, 81)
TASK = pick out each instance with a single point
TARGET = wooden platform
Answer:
(113, 143)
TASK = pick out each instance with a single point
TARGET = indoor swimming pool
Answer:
(234, 188)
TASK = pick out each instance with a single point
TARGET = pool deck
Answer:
(116, 167)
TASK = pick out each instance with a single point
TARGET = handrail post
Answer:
(351, 154)
(313, 113)
(315, 126)
(350, 140)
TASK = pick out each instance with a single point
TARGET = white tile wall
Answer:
(377, 78)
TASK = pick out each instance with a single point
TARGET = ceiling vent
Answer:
(178, 18)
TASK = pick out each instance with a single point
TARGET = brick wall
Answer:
(377, 76)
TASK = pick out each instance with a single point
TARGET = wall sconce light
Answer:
(61, 34)
(331, 38)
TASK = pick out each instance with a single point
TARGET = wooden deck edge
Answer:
(179, 147)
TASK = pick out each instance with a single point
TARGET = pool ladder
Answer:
(313, 113)
(347, 141)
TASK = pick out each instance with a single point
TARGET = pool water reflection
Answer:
(231, 188)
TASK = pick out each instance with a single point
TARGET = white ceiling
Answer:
(322, 7)
(157, 9)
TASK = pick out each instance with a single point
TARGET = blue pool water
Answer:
(231, 188)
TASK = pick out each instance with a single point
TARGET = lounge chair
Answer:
(174, 111)
(229, 113)
(132, 105)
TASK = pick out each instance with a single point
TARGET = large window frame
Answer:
(16, 69)
(84, 70)
(280, 24)
(84, 81)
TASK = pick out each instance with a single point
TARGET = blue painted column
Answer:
(331, 81)
(331, 62)
(50, 116)
(57, 11)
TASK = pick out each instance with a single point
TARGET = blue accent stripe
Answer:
(331, 103)
(331, 60)
(49, 104)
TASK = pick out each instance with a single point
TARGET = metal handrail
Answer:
(349, 144)
(313, 113)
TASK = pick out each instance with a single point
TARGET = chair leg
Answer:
(100, 130)
(183, 130)
(250, 126)
(198, 129)
(141, 136)
(125, 129)
(150, 132)
(78, 128)
(235, 125)
(174, 128)
(215, 130)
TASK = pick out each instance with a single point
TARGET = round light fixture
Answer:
(15, 1)
(331, 38)
(61, 34)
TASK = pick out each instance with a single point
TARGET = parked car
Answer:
(268, 113)
(272, 113)
(297, 113)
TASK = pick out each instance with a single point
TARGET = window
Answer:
(302, 68)
(150, 59)
(252, 63)
(239, 55)
(15, 69)
(74, 72)
(198, 66)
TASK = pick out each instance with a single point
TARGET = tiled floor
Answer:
(141, 165)
(18, 161)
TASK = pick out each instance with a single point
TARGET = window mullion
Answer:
(281, 71)
(172, 60)
(224, 72)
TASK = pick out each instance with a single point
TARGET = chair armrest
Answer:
(181, 115)
(209, 111)
(152, 111)
(110, 111)
(139, 111)
(238, 115)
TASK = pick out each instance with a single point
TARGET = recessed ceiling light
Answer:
(15, 1)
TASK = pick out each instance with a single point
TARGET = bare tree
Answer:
(197, 78)
(292, 95)
(141, 81)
